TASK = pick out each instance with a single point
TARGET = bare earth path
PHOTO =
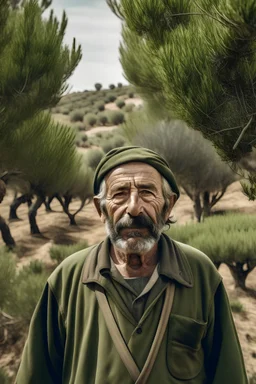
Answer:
(55, 228)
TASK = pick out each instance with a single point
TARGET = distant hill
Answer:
(91, 113)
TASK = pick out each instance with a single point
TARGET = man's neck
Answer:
(135, 265)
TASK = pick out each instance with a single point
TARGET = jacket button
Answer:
(139, 330)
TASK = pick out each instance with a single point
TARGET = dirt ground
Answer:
(55, 228)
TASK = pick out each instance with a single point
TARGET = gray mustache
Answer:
(134, 222)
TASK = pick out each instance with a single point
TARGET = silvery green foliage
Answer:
(35, 64)
(197, 60)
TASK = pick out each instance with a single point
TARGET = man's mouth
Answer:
(134, 232)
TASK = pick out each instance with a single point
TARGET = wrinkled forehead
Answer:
(133, 172)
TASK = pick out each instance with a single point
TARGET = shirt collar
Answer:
(173, 263)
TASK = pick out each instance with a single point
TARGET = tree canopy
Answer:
(196, 60)
(35, 64)
(192, 158)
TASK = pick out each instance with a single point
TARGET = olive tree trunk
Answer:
(17, 201)
(198, 209)
(239, 272)
(6, 233)
(34, 230)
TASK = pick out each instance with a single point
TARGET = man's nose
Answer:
(134, 206)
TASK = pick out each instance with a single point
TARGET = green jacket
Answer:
(69, 342)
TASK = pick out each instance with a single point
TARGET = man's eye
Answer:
(146, 192)
(119, 194)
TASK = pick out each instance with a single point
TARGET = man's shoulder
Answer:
(72, 266)
(199, 262)
(194, 254)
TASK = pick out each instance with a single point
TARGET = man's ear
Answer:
(96, 201)
(172, 201)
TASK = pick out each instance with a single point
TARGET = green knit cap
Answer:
(121, 155)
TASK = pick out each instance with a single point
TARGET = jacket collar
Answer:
(173, 263)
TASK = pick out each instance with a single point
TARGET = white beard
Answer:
(133, 244)
(138, 246)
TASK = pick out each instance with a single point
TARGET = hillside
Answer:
(93, 113)
(98, 127)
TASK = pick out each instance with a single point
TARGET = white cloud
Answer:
(99, 33)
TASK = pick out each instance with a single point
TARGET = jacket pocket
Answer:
(185, 356)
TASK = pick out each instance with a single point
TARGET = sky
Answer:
(98, 31)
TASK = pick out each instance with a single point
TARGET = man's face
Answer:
(133, 211)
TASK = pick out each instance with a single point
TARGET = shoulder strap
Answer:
(116, 335)
(169, 296)
(125, 354)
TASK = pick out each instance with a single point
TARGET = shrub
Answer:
(80, 127)
(119, 141)
(76, 116)
(85, 145)
(91, 100)
(109, 135)
(116, 117)
(28, 288)
(131, 95)
(102, 119)
(100, 106)
(120, 85)
(236, 306)
(93, 157)
(57, 109)
(235, 246)
(107, 145)
(120, 103)
(87, 110)
(65, 111)
(84, 138)
(90, 119)
(70, 107)
(35, 266)
(112, 86)
(111, 98)
(7, 275)
(116, 141)
(4, 378)
(128, 107)
(60, 252)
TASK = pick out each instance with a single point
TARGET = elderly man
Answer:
(137, 307)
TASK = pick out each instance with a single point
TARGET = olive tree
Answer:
(46, 157)
(35, 66)
(235, 245)
(98, 86)
(195, 163)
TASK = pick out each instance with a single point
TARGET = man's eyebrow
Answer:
(119, 187)
(143, 185)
